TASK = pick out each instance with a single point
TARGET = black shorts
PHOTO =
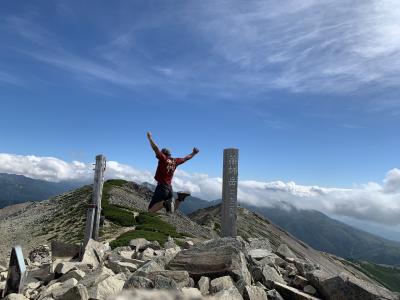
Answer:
(162, 193)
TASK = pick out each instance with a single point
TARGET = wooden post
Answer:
(16, 272)
(229, 192)
(94, 209)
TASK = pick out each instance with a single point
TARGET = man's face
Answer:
(166, 152)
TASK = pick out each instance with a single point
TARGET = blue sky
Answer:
(308, 91)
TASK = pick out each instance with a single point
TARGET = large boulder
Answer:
(258, 243)
(204, 285)
(346, 286)
(213, 258)
(266, 275)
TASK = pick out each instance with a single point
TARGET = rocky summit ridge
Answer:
(170, 256)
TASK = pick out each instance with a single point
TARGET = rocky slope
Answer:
(63, 217)
(263, 262)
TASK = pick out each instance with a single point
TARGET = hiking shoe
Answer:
(182, 196)
(169, 205)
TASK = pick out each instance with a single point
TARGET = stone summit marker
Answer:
(229, 192)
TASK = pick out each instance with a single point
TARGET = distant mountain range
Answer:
(17, 189)
(320, 232)
(313, 227)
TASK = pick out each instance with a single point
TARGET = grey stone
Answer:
(181, 278)
(274, 295)
(127, 254)
(285, 252)
(213, 258)
(145, 294)
(291, 270)
(64, 267)
(138, 282)
(229, 294)
(259, 243)
(94, 253)
(305, 267)
(93, 278)
(147, 254)
(78, 292)
(63, 250)
(259, 254)
(138, 244)
(309, 289)
(267, 275)
(77, 274)
(288, 292)
(191, 292)
(107, 287)
(252, 292)
(299, 282)
(149, 266)
(170, 243)
(161, 282)
(221, 283)
(121, 267)
(58, 289)
(204, 285)
(40, 255)
(14, 296)
(187, 244)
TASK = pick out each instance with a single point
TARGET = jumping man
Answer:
(163, 195)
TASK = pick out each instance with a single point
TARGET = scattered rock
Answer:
(161, 282)
(63, 250)
(274, 295)
(127, 254)
(230, 294)
(58, 289)
(150, 266)
(204, 285)
(284, 251)
(15, 297)
(153, 294)
(181, 278)
(40, 255)
(252, 292)
(138, 282)
(259, 243)
(221, 283)
(191, 292)
(121, 267)
(147, 254)
(187, 244)
(299, 282)
(138, 244)
(77, 274)
(288, 292)
(309, 289)
(78, 292)
(94, 253)
(259, 254)
(170, 243)
(107, 287)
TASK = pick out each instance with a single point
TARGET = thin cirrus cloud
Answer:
(300, 46)
(376, 202)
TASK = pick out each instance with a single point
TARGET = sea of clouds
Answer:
(373, 201)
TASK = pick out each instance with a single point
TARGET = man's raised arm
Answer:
(153, 145)
(190, 156)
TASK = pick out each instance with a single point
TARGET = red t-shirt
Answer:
(166, 168)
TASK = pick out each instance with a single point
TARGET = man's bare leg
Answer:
(156, 207)
(180, 199)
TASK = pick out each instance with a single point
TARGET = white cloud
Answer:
(373, 201)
